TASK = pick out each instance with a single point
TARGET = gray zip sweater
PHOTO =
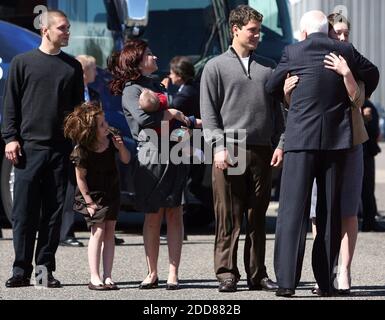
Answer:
(235, 98)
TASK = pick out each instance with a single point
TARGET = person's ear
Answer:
(44, 30)
(302, 35)
(235, 30)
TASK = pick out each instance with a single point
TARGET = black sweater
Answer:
(41, 90)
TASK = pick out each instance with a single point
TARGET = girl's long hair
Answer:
(81, 125)
(124, 65)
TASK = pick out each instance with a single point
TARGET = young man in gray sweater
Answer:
(233, 98)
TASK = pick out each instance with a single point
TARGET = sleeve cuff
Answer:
(218, 146)
(10, 139)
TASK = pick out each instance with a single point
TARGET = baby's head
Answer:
(149, 101)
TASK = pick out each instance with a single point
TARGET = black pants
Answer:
(235, 196)
(299, 170)
(68, 216)
(38, 202)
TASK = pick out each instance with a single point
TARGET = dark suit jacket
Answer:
(371, 147)
(94, 95)
(319, 116)
(187, 100)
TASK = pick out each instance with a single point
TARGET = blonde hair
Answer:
(148, 101)
(86, 61)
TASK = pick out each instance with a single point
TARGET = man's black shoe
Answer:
(282, 292)
(118, 241)
(71, 242)
(228, 285)
(17, 281)
(321, 293)
(265, 284)
(52, 282)
(375, 227)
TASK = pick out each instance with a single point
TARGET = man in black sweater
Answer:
(43, 86)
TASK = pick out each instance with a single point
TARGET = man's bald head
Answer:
(314, 21)
(54, 30)
(47, 17)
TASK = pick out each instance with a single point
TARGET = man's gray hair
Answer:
(314, 21)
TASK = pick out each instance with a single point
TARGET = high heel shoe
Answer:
(172, 286)
(315, 289)
(149, 285)
(344, 286)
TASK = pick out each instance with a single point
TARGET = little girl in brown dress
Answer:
(97, 194)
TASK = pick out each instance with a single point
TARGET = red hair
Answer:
(124, 65)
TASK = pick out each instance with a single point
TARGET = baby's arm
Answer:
(81, 174)
(124, 154)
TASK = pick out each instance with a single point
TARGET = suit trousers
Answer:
(38, 202)
(68, 216)
(235, 196)
(299, 170)
(369, 205)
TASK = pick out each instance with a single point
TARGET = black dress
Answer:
(102, 181)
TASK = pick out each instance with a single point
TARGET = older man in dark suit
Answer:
(318, 133)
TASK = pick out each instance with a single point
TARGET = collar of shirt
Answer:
(86, 94)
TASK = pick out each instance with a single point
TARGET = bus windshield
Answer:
(191, 36)
(195, 28)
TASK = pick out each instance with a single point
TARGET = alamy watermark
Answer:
(342, 11)
(41, 277)
(39, 10)
(186, 146)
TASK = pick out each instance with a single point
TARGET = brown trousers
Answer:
(234, 196)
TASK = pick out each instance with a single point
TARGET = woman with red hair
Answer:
(158, 184)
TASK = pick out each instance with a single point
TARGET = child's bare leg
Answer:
(94, 250)
(108, 250)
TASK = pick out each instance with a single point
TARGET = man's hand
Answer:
(367, 113)
(276, 160)
(198, 123)
(220, 160)
(13, 151)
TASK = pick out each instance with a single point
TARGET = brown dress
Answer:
(102, 181)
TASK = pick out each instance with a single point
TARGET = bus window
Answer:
(180, 28)
(271, 18)
(172, 4)
(89, 32)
